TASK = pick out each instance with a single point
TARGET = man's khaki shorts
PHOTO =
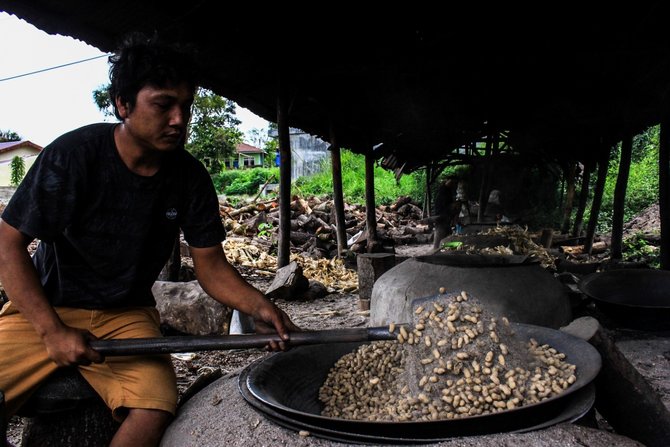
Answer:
(146, 382)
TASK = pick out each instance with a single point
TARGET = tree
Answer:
(18, 171)
(271, 147)
(214, 133)
(8, 135)
(260, 138)
(257, 137)
(102, 100)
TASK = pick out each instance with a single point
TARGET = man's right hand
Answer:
(69, 346)
(65, 345)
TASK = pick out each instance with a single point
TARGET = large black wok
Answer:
(632, 298)
(285, 387)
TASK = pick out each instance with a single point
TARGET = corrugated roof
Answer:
(245, 148)
(12, 145)
(422, 80)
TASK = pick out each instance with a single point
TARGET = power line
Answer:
(54, 68)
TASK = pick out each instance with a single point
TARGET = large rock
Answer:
(525, 293)
(185, 307)
(289, 283)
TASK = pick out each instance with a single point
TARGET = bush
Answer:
(243, 181)
(18, 170)
(637, 249)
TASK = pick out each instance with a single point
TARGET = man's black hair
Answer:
(147, 60)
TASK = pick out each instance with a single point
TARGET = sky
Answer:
(42, 106)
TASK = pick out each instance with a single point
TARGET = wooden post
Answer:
(428, 196)
(547, 237)
(583, 198)
(370, 266)
(338, 199)
(484, 186)
(603, 164)
(664, 185)
(370, 210)
(569, 196)
(620, 197)
(284, 241)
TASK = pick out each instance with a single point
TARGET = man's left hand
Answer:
(270, 319)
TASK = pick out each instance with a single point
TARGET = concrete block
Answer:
(633, 387)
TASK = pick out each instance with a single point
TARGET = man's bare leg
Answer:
(141, 428)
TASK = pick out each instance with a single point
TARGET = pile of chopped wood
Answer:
(313, 225)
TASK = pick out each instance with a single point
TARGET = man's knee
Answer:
(149, 415)
(152, 422)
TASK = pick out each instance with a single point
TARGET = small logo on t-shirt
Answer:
(171, 214)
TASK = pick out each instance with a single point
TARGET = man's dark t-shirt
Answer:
(105, 232)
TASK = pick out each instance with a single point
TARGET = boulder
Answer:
(186, 308)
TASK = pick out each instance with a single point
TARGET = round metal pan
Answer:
(574, 407)
(288, 383)
(632, 298)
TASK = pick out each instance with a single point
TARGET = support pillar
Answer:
(284, 242)
(664, 185)
(370, 208)
(338, 195)
(620, 197)
(603, 164)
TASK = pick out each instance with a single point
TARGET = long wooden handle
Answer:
(164, 345)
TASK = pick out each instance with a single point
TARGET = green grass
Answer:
(387, 190)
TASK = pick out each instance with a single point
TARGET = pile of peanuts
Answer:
(457, 361)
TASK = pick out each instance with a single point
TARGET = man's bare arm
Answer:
(224, 283)
(65, 345)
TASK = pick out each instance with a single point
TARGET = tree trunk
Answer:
(620, 196)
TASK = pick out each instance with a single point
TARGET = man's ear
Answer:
(123, 108)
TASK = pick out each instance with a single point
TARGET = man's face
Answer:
(160, 116)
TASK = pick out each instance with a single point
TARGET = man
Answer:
(106, 202)
(447, 208)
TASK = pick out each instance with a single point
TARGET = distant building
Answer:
(248, 156)
(25, 149)
(307, 153)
